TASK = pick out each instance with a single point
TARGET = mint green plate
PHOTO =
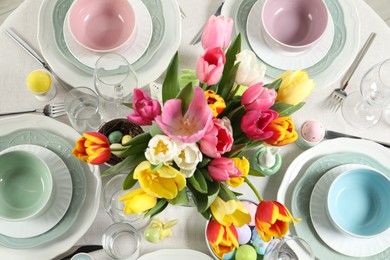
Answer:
(64, 150)
(300, 206)
(156, 13)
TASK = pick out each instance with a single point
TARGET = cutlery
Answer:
(332, 134)
(83, 249)
(339, 94)
(50, 110)
(33, 54)
(198, 36)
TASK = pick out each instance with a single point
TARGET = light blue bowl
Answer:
(359, 202)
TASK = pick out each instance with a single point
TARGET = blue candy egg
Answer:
(229, 255)
(258, 243)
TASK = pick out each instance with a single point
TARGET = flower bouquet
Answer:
(199, 134)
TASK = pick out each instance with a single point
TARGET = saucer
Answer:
(62, 195)
(132, 51)
(282, 59)
(330, 234)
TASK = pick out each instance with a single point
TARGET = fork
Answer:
(339, 94)
(50, 110)
(198, 36)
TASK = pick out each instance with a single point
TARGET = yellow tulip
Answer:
(165, 182)
(243, 166)
(230, 212)
(295, 87)
(137, 201)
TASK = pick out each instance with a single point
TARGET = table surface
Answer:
(16, 64)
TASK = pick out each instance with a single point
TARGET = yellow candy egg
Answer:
(126, 139)
(39, 81)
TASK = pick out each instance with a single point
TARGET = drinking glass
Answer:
(288, 248)
(114, 80)
(364, 109)
(82, 108)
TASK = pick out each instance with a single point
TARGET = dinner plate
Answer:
(88, 180)
(175, 254)
(282, 59)
(164, 43)
(329, 233)
(341, 54)
(132, 51)
(304, 172)
(62, 195)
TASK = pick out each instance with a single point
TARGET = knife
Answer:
(332, 134)
(83, 249)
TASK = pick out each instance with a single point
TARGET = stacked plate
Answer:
(325, 63)
(75, 196)
(157, 38)
(304, 190)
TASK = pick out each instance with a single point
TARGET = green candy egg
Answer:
(115, 137)
(246, 252)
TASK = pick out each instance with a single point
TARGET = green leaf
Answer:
(186, 95)
(275, 84)
(225, 89)
(129, 181)
(127, 163)
(180, 199)
(171, 85)
(233, 50)
(226, 194)
(159, 207)
(139, 139)
(198, 181)
(286, 109)
(204, 162)
(203, 201)
(255, 172)
(129, 105)
(155, 130)
(206, 214)
(206, 174)
(134, 149)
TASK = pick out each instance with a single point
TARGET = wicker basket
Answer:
(123, 125)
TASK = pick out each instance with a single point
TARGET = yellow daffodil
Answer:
(230, 212)
(296, 86)
(243, 166)
(137, 201)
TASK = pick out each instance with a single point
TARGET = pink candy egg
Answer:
(313, 131)
(252, 211)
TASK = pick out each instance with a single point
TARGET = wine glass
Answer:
(364, 109)
(114, 80)
(288, 248)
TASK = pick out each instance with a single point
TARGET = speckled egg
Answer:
(229, 255)
(244, 234)
(115, 137)
(258, 243)
(252, 211)
(313, 131)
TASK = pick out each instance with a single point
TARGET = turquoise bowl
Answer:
(358, 202)
(25, 185)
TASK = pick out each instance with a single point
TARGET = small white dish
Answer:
(283, 59)
(60, 201)
(329, 233)
(132, 50)
(175, 254)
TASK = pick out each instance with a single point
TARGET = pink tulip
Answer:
(257, 97)
(223, 169)
(210, 66)
(217, 33)
(218, 139)
(190, 127)
(254, 123)
(145, 108)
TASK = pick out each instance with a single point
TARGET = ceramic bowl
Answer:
(101, 25)
(25, 185)
(295, 25)
(358, 202)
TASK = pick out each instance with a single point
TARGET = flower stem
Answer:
(250, 184)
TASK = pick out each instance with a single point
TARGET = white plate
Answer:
(331, 235)
(331, 67)
(298, 183)
(148, 72)
(58, 204)
(90, 206)
(132, 52)
(175, 254)
(281, 59)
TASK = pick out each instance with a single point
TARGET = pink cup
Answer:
(294, 25)
(101, 25)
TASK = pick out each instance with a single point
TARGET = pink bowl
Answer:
(101, 25)
(294, 25)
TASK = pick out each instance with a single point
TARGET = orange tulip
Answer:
(283, 131)
(93, 148)
(222, 239)
(272, 220)
(215, 102)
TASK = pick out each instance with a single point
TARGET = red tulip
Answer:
(93, 148)
(222, 239)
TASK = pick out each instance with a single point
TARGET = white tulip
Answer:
(249, 71)
(161, 149)
(188, 158)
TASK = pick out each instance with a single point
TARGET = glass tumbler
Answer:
(288, 248)
(122, 241)
(112, 191)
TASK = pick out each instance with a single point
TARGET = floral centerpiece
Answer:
(198, 137)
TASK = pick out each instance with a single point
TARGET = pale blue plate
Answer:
(63, 149)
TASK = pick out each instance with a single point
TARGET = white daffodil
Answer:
(161, 149)
(188, 157)
(249, 71)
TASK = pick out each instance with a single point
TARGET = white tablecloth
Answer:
(15, 64)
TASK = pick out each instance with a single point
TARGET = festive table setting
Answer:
(272, 142)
